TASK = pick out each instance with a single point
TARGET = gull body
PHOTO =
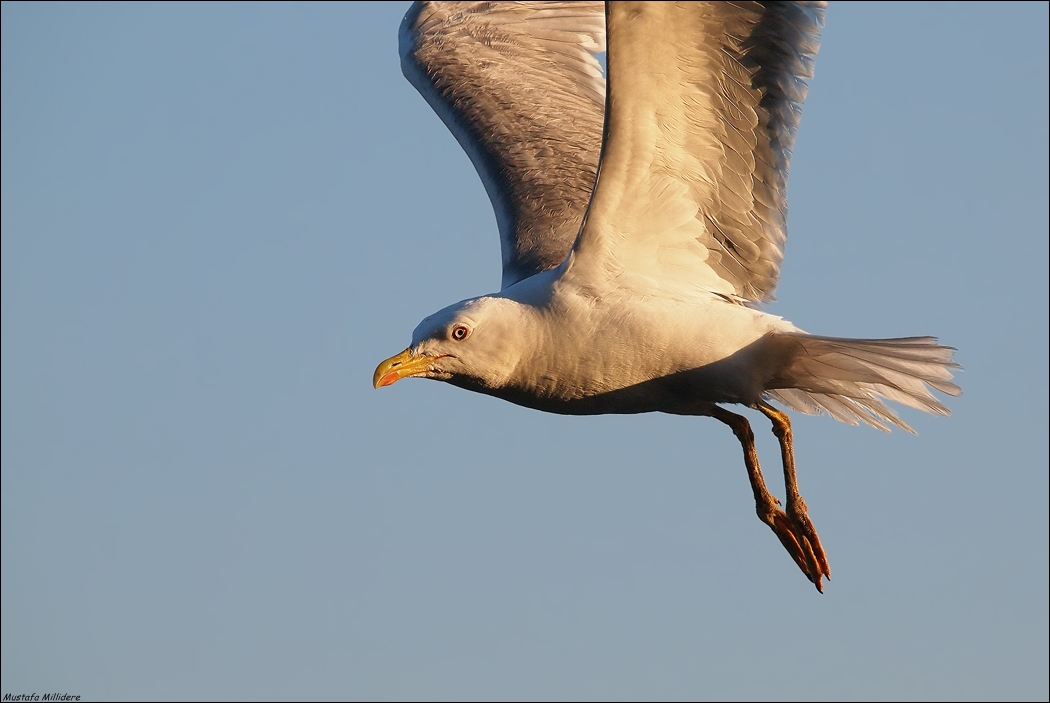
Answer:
(642, 223)
(552, 345)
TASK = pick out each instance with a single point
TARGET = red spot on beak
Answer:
(388, 379)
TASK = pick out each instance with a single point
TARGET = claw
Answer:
(802, 543)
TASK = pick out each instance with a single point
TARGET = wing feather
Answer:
(519, 86)
(704, 101)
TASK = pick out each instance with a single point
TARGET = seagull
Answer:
(642, 218)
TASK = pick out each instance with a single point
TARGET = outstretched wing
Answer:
(704, 102)
(518, 84)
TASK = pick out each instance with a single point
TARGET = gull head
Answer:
(475, 343)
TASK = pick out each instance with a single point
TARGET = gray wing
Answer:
(704, 102)
(519, 86)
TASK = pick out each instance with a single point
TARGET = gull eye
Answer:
(460, 332)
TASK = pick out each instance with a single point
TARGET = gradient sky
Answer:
(218, 218)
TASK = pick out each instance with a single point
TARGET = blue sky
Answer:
(217, 219)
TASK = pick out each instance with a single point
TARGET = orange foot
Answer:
(799, 538)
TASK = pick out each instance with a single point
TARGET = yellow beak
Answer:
(401, 366)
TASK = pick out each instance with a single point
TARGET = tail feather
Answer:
(849, 378)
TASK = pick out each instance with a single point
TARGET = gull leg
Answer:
(796, 508)
(795, 538)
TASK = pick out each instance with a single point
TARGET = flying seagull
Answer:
(642, 222)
